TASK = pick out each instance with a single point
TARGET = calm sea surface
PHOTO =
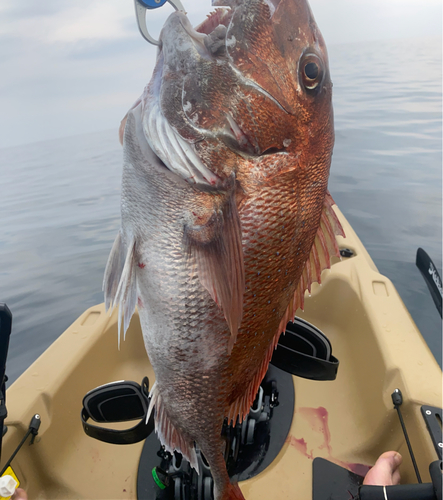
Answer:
(59, 200)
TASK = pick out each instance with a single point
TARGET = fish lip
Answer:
(198, 39)
(187, 26)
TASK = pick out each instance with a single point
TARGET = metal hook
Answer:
(141, 6)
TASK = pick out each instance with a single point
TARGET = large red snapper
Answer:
(226, 218)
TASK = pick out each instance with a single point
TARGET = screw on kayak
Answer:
(141, 6)
(346, 252)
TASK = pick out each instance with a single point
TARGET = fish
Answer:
(226, 219)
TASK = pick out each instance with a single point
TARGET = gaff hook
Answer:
(141, 6)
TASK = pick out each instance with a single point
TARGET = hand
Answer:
(19, 494)
(385, 471)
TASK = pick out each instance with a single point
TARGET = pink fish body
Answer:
(226, 218)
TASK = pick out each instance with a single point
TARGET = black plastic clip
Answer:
(33, 428)
(346, 252)
(397, 400)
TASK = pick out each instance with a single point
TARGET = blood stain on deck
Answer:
(318, 419)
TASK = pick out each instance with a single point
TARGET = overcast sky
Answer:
(72, 67)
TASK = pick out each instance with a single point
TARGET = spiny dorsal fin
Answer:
(325, 246)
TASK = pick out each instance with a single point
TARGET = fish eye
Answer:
(311, 71)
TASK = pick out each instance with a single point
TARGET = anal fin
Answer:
(113, 271)
(168, 434)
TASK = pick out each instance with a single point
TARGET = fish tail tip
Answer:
(233, 492)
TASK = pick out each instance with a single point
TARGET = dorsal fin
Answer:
(325, 246)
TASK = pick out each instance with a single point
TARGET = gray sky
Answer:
(72, 67)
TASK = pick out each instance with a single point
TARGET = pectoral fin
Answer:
(215, 248)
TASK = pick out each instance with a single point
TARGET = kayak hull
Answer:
(349, 421)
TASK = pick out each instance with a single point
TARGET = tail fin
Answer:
(233, 492)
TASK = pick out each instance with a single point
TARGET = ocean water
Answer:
(59, 200)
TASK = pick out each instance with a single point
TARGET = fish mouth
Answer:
(219, 16)
(209, 37)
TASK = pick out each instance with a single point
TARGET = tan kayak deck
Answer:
(349, 421)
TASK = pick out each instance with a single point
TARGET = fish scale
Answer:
(263, 293)
(226, 162)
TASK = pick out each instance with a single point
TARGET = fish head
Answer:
(251, 82)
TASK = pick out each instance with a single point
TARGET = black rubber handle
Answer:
(424, 491)
(436, 471)
(128, 436)
(431, 276)
(5, 332)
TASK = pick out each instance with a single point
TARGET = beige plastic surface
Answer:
(349, 421)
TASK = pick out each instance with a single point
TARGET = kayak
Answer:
(348, 422)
